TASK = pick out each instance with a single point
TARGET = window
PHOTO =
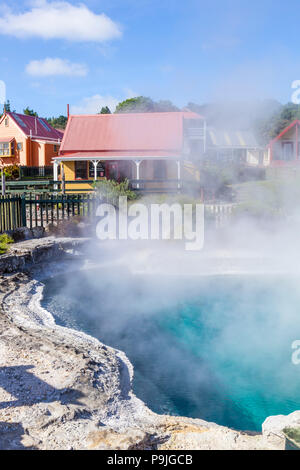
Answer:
(19, 120)
(160, 170)
(100, 170)
(56, 148)
(6, 149)
(81, 170)
(287, 151)
(20, 146)
(44, 124)
(6, 122)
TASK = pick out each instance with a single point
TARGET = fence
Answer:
(11, 209)
(85, 186)
(33, 172)
(44, 209)
(38, 210)
(32, 210)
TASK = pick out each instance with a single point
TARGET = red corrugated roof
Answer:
(117, 154)
(36, 127)
(122, 133)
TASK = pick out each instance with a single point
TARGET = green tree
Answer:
(105, 110)
(59, 122)
(29, 112)
(7, 106)
(165, 106)
(270, 128)
(143, 104)
(140, 104)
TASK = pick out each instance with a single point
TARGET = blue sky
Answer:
(59, 52)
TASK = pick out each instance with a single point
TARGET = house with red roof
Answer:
(284, 150)
(27, 141)
(142, 147)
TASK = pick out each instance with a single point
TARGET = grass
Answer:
(5, 241)
(273, 198)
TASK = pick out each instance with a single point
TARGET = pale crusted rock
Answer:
(108, 439)
(62, 389)
(273, 427)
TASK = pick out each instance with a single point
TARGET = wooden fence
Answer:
(11, 209)
(38, 210)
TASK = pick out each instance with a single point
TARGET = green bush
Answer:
(110, 190)
(5, 241)
(12, 172)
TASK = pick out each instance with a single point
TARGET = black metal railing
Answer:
(36, 172)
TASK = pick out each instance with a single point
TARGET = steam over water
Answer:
(216, 348)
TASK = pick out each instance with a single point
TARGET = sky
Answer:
(94, 53)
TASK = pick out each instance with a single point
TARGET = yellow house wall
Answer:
(69, 170)
(12, 131)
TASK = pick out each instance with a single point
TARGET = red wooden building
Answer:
(284, 150)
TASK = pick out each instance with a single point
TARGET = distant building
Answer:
(27, 140)
(224, 146)
(284, 150)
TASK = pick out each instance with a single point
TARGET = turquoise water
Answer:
(215, 348)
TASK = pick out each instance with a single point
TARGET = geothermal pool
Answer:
(216, 348)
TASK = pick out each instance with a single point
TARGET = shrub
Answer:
(110, 190)
(12, 172)
(5, 241)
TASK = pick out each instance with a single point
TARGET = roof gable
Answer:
(35, 127)
(125, 132)
(282, 133)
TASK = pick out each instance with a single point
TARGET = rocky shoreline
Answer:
(62, 389)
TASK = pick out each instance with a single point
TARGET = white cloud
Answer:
(59, 20)
(93, 104)
(50, 67)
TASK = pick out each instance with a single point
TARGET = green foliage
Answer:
(105, 110)
(142, 104)
(12, 172)
(29, 112)
(110, 190)
(7, 106)
(58, 122)
(271, 127)
(5, 241)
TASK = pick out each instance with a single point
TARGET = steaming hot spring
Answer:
(213, 342)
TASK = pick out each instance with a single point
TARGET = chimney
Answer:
(68, 110)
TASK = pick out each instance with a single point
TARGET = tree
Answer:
(105, 110)
(165, 106)
(143, 104)
(58, 122)
(140, 104)
(285, 115)
(7, 106)
(30, 112)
